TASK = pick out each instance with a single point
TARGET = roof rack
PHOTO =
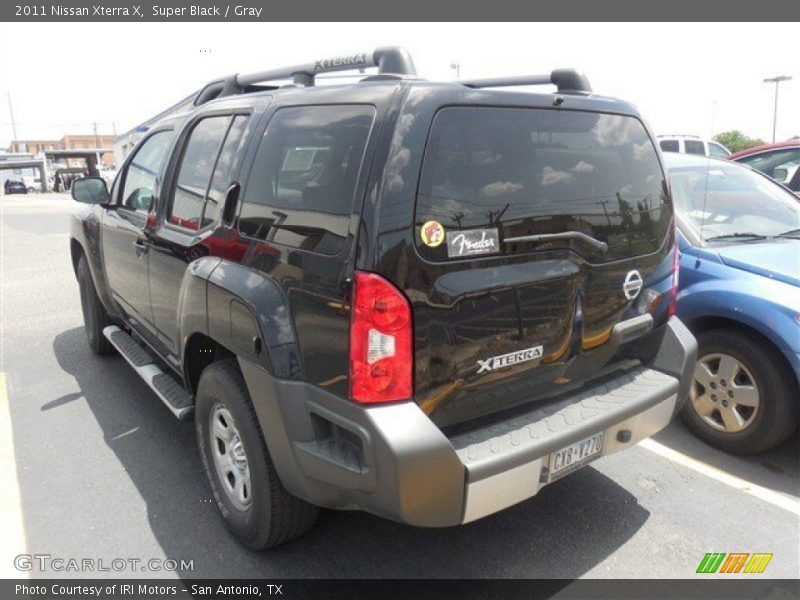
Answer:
(390, 60)
(568, 81)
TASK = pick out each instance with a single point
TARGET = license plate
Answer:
(576, 455)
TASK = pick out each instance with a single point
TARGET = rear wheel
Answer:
(95, 317)
(255, 506)
(741, 401)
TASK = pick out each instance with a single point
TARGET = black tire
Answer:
(95, 317)
(273, 516)
(776, 418)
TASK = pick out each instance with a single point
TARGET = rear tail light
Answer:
(381, 363)
(673, 292)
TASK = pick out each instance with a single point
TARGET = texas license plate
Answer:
(576, 455)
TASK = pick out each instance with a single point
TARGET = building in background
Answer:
(100, 143)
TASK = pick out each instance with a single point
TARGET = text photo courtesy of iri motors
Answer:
(428, 319)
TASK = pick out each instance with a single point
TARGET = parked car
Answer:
(423, 300)
(739, 294)
(780, 160)
(32, 183)
(15, 187)
(692, 144)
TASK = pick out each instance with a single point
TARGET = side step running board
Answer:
(166, 387)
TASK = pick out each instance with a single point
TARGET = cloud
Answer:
(498, 188)
(582, 167)
(551, 177)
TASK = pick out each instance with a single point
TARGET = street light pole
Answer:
(777, 81)
(13, 122)
(456, 66)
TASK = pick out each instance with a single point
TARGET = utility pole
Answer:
(777, 81)
(13, 122)
(456, 66)
(96, 140)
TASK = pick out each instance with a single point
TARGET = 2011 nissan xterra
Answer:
(423, 300)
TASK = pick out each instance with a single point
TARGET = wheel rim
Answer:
(230, 459)
(724, 393)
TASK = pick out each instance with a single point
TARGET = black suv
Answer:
(423, 300)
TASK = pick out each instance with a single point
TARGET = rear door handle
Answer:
(229, 208)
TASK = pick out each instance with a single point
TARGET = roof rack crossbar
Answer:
(568, 81)
(389, 60)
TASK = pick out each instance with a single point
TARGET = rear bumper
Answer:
(394, 462)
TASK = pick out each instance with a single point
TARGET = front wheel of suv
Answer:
(741, 401)
(95, 317)
(255, 506)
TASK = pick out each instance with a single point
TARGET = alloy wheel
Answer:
(724, 393)
(230, 459)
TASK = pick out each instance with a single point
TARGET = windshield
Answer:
(722, 201)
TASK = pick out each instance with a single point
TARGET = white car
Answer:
(34, 184)
(692, 144)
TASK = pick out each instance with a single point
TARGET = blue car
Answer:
(739, 235)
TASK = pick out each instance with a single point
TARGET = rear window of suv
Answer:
(515, 172)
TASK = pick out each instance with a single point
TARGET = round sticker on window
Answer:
(432, 234)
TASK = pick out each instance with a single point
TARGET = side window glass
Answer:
(694, 147)
(142, 172)
(716, 150)
(669, 146)
(221, 178)
(301, 188)
(194, 174)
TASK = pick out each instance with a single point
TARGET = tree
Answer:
(735, 140)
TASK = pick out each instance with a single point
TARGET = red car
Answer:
(780, 160)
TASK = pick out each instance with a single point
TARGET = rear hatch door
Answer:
(537, 229)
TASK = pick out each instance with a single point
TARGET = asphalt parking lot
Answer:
(104, 471)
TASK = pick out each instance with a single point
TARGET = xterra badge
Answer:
(506, 360)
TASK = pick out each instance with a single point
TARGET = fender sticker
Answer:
(472, 242)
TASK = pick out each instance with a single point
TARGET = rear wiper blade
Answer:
(790, 233)
(737, 235)
(564, 235)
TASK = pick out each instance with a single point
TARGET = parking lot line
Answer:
(11, 527)
(767, 495)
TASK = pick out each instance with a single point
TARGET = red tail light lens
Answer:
(672, 308)
(381, 362)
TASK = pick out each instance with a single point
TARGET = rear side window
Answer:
(195, 171)
(694, 147)
(221, 179)
(669, 145)
(302, 185)
(499, 173)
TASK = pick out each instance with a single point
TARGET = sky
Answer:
(685, 78)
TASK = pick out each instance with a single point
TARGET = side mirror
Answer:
(90, 190)
(781, 175)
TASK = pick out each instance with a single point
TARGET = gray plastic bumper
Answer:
(393, 461)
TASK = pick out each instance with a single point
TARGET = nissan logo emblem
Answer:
(633, 285)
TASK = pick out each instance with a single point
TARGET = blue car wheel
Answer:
(741, 399)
